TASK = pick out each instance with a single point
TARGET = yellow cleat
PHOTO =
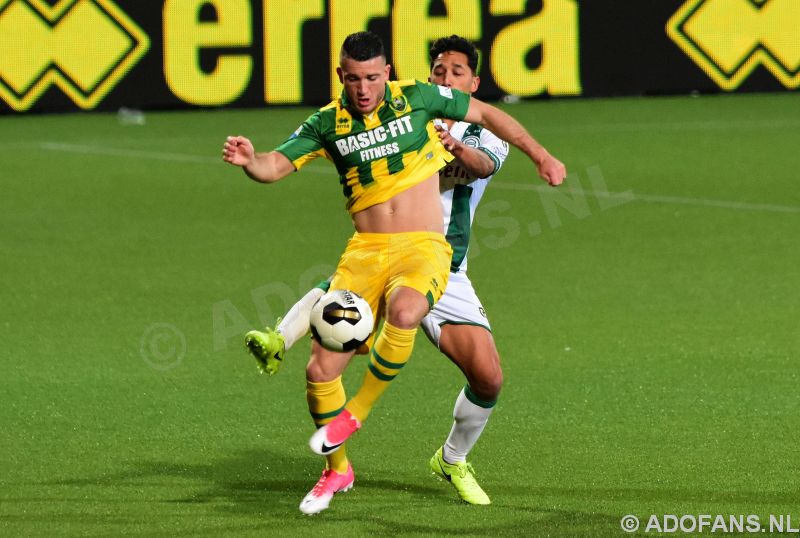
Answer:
(462, 476)
(268, 348)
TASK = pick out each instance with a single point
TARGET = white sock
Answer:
(469, 420)
(295, 324)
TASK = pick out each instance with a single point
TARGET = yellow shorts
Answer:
(375, 264)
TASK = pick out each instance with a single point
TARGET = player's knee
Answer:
(318, 371)
(487, 384)
(406, 308)
(488, 389)
(314, 372)
(405, 314)
(403, 318)
(496, 383)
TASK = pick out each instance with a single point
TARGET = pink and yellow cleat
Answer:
(331, 482)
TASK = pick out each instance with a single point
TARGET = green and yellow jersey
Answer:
(385, 153)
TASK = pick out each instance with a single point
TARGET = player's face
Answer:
(364, 82)
(451, 69)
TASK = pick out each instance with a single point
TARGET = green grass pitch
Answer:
(647, 314)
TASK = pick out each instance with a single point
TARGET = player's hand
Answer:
(238, 151)
(447, 140)
(552, 170)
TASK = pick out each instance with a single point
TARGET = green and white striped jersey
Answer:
(461, 192)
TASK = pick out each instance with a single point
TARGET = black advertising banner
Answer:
(67, 55)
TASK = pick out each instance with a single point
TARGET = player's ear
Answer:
(340, 73)
(476, 81)
(387, 70)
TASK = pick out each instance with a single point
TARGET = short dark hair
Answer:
(363, 46)
(455, 43)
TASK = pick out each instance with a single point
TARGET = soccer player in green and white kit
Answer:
(457, 324)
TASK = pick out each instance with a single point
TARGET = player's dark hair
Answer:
(456, 43)
(363, 46)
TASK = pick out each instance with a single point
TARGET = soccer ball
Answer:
(341, 320)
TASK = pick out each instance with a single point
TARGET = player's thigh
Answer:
(362, 270)
(459, 305)
(458, 326)
(421, 261)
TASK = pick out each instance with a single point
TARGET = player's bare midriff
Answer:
(414, 210)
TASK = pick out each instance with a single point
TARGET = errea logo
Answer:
(44, 44)
(344, 124)
(728, 39)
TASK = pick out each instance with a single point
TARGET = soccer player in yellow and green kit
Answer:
(379, 136)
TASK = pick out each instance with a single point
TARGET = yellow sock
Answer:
(325, 401)
(390, 353)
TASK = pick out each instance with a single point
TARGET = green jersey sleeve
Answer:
(444, 102)
(305, 144)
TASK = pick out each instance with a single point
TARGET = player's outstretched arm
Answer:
(261, 167)
(507, 128)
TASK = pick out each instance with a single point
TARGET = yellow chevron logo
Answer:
(84, 47)
(728, 39)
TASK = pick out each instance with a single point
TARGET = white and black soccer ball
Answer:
(341, 320)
